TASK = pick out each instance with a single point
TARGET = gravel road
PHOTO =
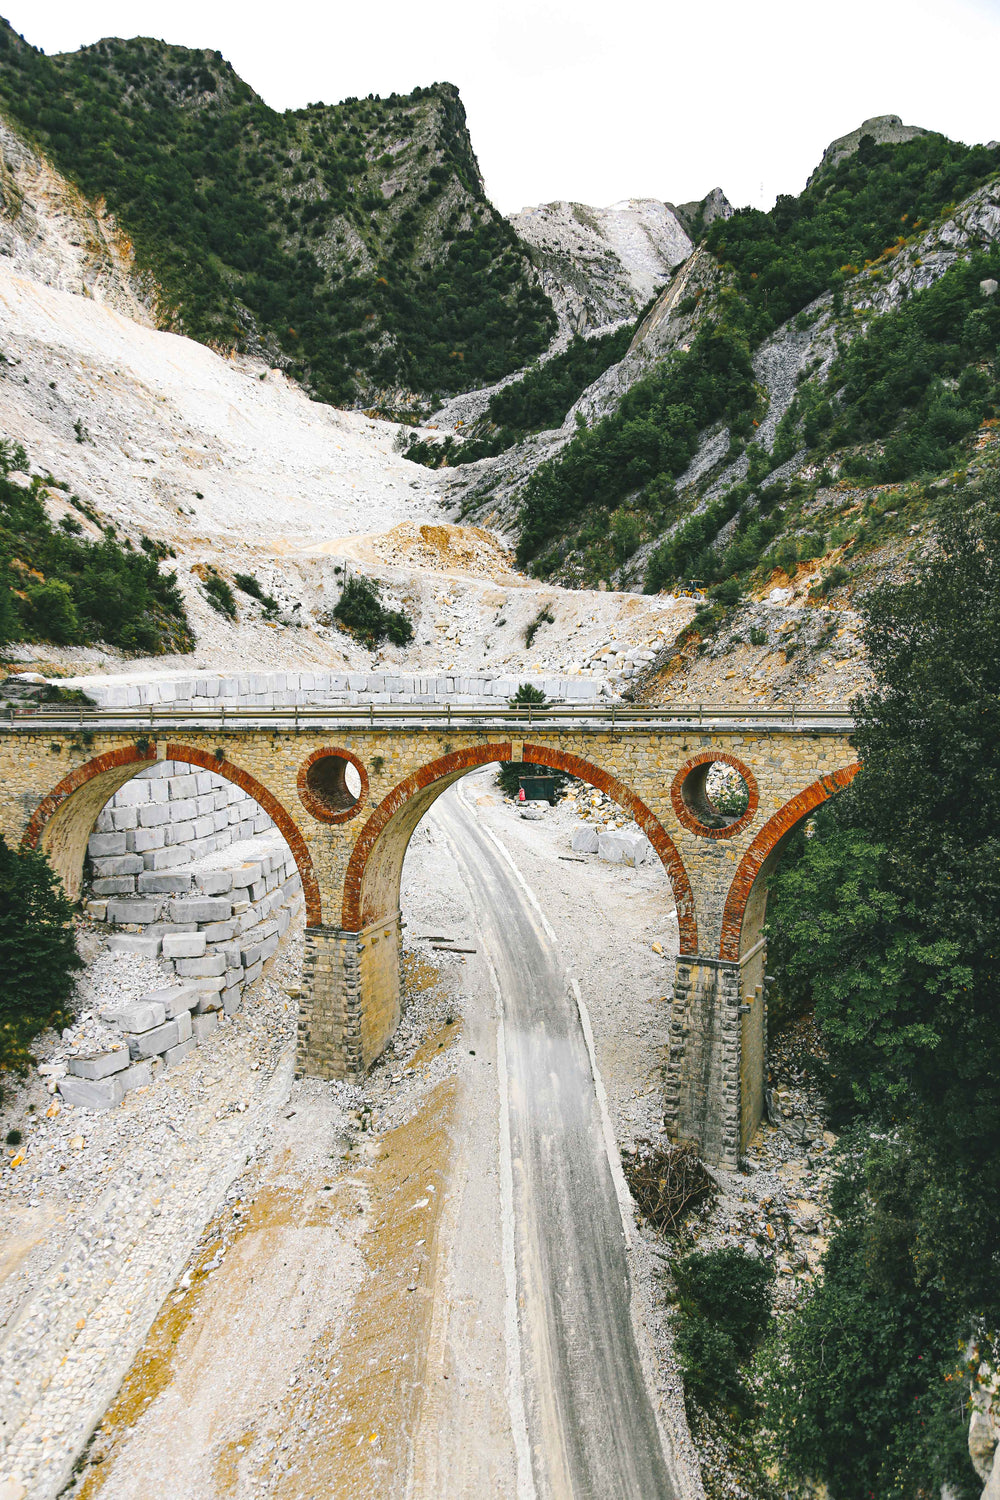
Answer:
(591, 1425)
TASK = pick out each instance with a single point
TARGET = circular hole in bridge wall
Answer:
(714, 797)
(333, 784)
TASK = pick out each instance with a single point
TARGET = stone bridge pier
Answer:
(348, 794)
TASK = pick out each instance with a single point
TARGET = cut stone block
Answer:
(161, 929)
(211, 982)
(624, 848)
(175, 1055)
(118, 864)
(245, 875)
(205, 1025)
(138, 1076)
(231, 1000)
(144, 839)
(133, 792)
(203, 909)
(215, 882)
(149, 1043)
(99, 845)
(99, 1064)
(175, 999)
(208, 1002)
(139, 912)
(207, 967)
(269, 946)
(141, 1015)
(164, 882)
(125, 817)
(251, 954)
(96, 1094)
(254, 972)
(166, 859)
(134, 942)
(97, 911)
(184, 945)
(183, 787)
(220, 932)
(584, 840)
(154, 815)
(114, 885)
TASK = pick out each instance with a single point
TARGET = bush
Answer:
(219, 595)
(360, 610)
(248, 583)
(55, 586)
(38, 954)
(51, 614)
(733, 1289)
(725, 1310)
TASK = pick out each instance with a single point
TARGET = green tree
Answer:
(37, 953)
(889, 917)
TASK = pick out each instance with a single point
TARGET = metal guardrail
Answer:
(419, 715)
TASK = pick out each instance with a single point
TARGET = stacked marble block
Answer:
(160, 1028)
(167, 816)
(211, 896)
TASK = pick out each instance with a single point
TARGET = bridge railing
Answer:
(815, 718)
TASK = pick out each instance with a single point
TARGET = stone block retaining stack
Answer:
(199, 877)
(328, 689)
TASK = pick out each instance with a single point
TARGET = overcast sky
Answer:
(598, 102)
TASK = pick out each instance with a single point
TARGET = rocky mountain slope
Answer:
(353, 244)
(601, 265)
(789, 424)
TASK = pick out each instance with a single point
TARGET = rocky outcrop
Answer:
(602, 265)
(984, 1430)
(885, 130)
(50, 233)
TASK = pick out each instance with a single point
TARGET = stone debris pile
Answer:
(606, 831)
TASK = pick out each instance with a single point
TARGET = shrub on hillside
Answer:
(360, 610)
(725, 1310)
(56, 586)
(38, 956)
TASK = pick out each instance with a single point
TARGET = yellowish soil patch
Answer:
(361, 1408)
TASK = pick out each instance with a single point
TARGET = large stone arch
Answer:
(63, 820)
(743, 915)
(371, 884)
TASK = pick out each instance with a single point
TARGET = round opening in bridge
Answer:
(714, 797)
(332, 785)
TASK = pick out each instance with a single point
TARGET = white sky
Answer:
(598, 102)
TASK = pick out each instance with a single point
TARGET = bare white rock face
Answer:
(602, 265)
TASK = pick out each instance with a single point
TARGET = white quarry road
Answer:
(591, 1427)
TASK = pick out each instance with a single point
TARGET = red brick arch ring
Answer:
(767, 840)
(688, 819)
(112, 770)
(353, 915)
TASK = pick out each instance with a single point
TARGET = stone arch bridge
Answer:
(348, 786)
